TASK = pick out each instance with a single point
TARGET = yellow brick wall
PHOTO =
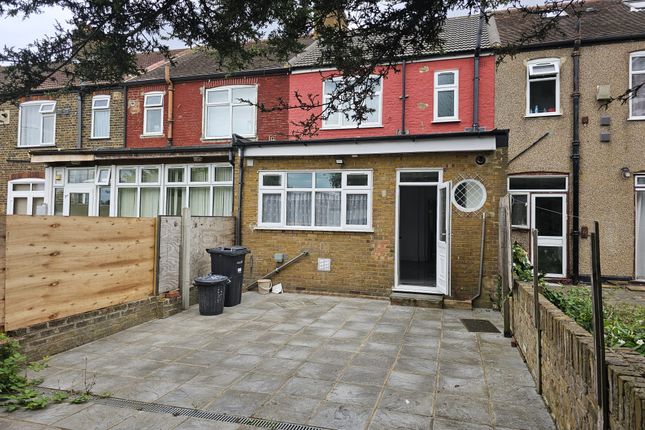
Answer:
(363, 263)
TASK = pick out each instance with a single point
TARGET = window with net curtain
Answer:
(315, 200)
(230, 110)
(637, 69)
(37, 123)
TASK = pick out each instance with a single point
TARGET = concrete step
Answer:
(417, 300)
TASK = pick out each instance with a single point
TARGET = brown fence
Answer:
(62, 266)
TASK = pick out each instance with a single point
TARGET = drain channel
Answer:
(196, 413)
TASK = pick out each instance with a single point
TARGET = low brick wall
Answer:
(568, 368)
(62, 334)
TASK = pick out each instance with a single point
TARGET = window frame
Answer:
(637, 54)
(532, 191)
(344, 191)
(528, 214)
(100, 109)
(529, 66)
(230, 105)
(445, 87)
(50, 113)
(349, 125)
(147, 108)
(636, 181)
(463, 208)
(29, 195)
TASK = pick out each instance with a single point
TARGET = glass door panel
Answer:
(79, 204)
(549, 218)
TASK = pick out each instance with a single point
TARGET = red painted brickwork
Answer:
(419, 105)
(188, 108)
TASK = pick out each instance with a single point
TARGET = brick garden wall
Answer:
(62, 334)
(568, 368)
(363, 263)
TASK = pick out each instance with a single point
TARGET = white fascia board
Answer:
(58, 158)
(301, 149)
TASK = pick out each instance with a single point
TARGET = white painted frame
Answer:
(639, 54)
(462, 208)
(230, 104)
(555, 241)
(96, 109)
(454, 87)
(529, 79)
(528, 212)
(397, 285)
(348, 123)
(48, 113)
(153, 107)
(29, 195)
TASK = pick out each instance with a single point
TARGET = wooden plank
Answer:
(61, 266)
(3, 220)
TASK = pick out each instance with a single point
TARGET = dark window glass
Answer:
(548, 216)
(519, 209)
(542, 96)
(538, 183)
(550, 259)
(419, 177)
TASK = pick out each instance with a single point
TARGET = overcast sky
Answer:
(18, 32)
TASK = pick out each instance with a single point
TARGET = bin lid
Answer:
(210, 280)
(233, 251)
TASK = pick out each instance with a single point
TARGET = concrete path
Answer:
(328, 362)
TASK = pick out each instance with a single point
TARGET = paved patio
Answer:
(329, 362)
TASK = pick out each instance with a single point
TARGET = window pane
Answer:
(470, 195)
(150, 175)
(199, 201)
(59, 196)
(37, 201)
(298, 180)
(638, 64)
(20, 206)
(443, 222)
(272, 180)
(328, 209)
(328, 180)
(38, 186)
(199, 174)
(149, 204)
(127, 204)
(223, 174)
(247, 94)
(47, 107)
(153, 100)
(329, 86)
(638, 101)
(543, 69)
(219, 96)
(79, 204)
(29, 125)
(174, 200)
(80, 176)
(100, 103)
(101, 123)
(538, 183)
(153, 120)
(548, 216)
(244, 119)
(218, 121)
(419, 177)
(127, 176)
(176, 174)
(445, 104)
(550, 259)
(299, 208)
(104, 201)
(519, 209)
(48, 129)
(542, 96)
(372, 103)
(445, 78)
(104, 176)
(271, 208)
(222, 201)
(357, 180)
(22, 187)
(356, 213)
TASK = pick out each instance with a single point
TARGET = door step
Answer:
(417, 300)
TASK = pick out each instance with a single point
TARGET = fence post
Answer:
(599, 331)
(505, 260)
(536, 310)
(184, 258)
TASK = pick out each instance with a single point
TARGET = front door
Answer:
(79, 201)
(443, 237)
(550, 219)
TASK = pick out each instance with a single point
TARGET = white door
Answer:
(549, 217)
(640, 235)
(443, 238)
(79, 200)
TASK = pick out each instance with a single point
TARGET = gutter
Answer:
(79, 118)
(403, 97)
(125, 114)
(575, 157)
(134, 151)
(171, 98)
(240, 187)
(476, 73)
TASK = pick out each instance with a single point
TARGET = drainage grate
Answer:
(196, 413)
(479, 326)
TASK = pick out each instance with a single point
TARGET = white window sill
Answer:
(209, 139)
(444, 120)
(315, 229)
(100, 138)
(520, 227)
(636, 118)
(349, 127)
(541, 115)
(147, 136)
(49, 145)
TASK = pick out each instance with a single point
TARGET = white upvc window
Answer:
(37, 124)
(521, 187)
(230, 110)
(341, 115)
(100, 117)
(315, 200)
(138, 191)
(637, 77)
(519, 210)
(25, 195)
(543, 87)
(153, 114)
(446, 96)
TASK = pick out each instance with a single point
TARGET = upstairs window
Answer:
(230, 110)
(340, 115)
(37, 124)
(153, 114)
(101, 117)
(446, 96)
(543, 88)
(637, 77)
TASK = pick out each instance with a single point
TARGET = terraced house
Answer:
(576, 156)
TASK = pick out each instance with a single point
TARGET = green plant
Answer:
(16, 389)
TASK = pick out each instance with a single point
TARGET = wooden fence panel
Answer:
(3, 220)
(62, 266)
